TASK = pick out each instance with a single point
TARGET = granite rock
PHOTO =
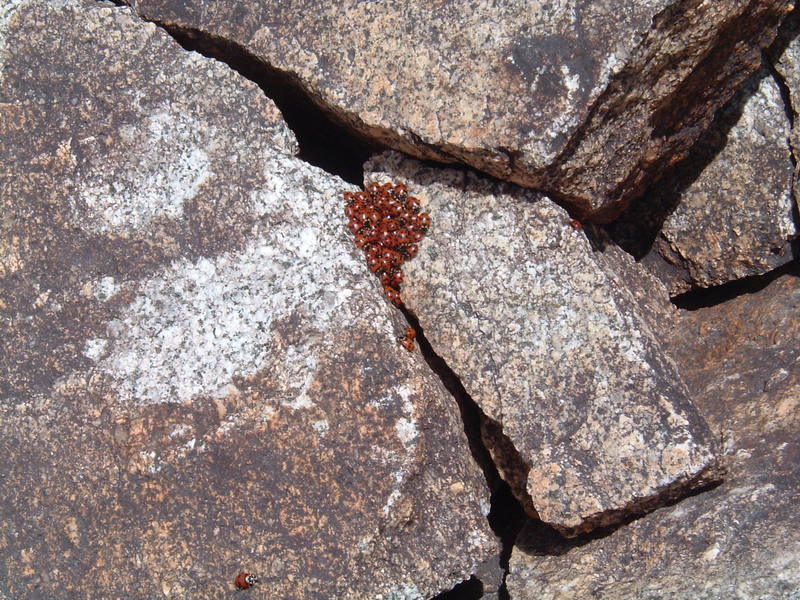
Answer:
(587, 420)
(740, 540)
(199, 375)
(727, 211)
(787, 69)
(588, 101)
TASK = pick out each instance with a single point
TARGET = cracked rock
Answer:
(740, 540)
(588, 420)
(727, 211)
(587, 100)
(199, 375)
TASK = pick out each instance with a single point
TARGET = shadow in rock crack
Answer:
(325, 141)
(507, 517)
(471, 589)
(637, 229)
(506, 514)
(537, 538)
(705, 297)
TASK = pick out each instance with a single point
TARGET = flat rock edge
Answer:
(514, 471)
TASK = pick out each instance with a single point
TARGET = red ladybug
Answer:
(245, 581)
(408, 341)
(392, 294)
(575, 224)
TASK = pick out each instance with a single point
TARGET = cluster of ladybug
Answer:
(388, 226)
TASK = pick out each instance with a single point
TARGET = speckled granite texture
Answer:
(739, 540)
(550, 344)
(726, 212)
(199, 375)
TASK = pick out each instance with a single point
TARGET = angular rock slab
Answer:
(588, 101)
(552, 347)
(111, 166)
(178, 404)
(736, 217)
(739, 540)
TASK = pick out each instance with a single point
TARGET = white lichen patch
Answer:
(172, 163)
(94, 348)
(104, 289)
(199, 323)
(407, 431)
(192, 329)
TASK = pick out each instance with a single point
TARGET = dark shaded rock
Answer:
(199, 375)
(588, 420)
(726, 212)
(588, 101)
(740, 540)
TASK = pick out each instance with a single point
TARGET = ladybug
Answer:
(575, 224)
(408, 341)
(245, 581)
(392, 294)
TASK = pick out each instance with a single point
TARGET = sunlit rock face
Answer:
(200, 375)
(551, 341)
(586, 100)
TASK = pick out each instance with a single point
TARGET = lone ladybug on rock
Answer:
(408, 341)
(245, 581)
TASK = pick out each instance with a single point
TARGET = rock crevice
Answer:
(506, 514)
(325, 139)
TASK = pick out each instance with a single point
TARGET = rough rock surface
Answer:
(198, 373)
(742, 539)
(733, 219)
(552, 347)
(586, 100)
(787, 68)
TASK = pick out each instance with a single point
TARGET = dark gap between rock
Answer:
(506, 514)
(638, 227)
(705, 297)
(325, 141)
(540, 539)
(471, 589)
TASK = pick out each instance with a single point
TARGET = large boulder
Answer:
(198, 373)
(586, 418)
(587, 101)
